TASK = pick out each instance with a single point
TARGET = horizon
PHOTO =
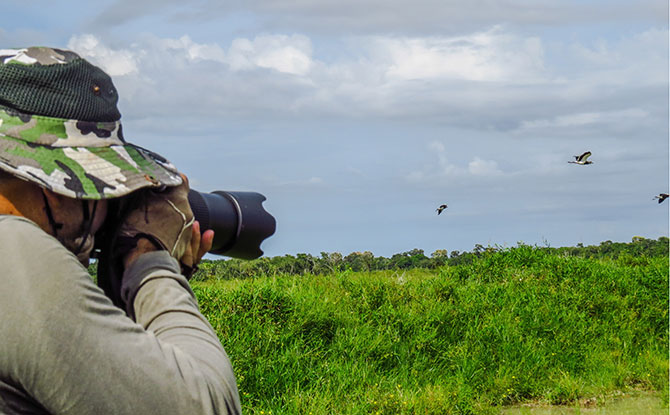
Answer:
(460, 252)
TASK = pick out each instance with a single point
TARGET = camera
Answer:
(239, 222)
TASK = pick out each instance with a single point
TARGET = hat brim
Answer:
(87, 172)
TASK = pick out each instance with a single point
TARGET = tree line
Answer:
(333, 262)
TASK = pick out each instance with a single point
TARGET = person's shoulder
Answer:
(9, 223)
(26, 249)
(14, 230)
(24, 246)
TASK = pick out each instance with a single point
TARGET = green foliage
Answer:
(93, 269)
(637, 250)
(503, 327)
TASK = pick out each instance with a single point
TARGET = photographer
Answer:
(139, 345)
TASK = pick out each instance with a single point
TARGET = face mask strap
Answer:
(55, 226)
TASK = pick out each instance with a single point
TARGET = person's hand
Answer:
(200, 245)
(163, 219)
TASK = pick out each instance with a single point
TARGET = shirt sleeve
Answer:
(74, 352)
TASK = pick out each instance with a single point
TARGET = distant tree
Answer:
(440, 253)
(305, 263)
(400, 261)
(463, 258)
(365, 261)
(438, 258)
(284, 264)
(329, 262)
(414, 258)
(382, 263)
(356, 261)
(368, 260)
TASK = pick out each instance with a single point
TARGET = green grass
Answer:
(515, 325)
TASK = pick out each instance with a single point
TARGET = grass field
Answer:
(516, 325)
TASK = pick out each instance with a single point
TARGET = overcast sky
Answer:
(358, 118)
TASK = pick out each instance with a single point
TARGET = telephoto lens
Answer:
(239, 222)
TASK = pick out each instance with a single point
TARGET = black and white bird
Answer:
(441, 208)
(661, 197)
(582, 159)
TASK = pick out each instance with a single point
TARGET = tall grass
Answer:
(515, 325)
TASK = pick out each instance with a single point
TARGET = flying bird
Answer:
(661, 197)
(582, 159)
(441, 208)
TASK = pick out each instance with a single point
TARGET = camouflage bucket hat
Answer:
(60, 128)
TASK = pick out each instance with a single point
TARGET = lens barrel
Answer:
(239, 222)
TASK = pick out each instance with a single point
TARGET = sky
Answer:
(358, 118)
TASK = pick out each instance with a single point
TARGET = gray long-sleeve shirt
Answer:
(66, 349)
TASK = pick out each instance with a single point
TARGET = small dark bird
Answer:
(582, 159)
(441, 208)
(661, 197)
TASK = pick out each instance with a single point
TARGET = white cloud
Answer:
(114, 62)
(196, 51)
(598, 53)
(480, 167)
(495, 79)
(415, 176)
(488, 56)
(445, 168)
(437, 146)
(585, 119)
(640, 58)
(287, 54)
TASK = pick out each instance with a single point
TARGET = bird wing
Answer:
(584, 156)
